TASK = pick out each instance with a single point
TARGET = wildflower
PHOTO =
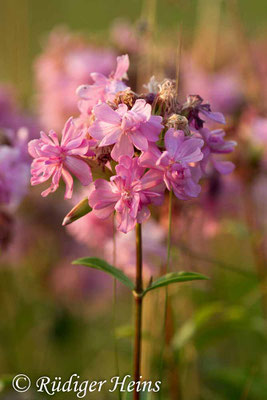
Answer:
(215, 144)
(126, 128)
(174, 164)
(105, 89)
(194, 106)
(53, 159)
(128, 193)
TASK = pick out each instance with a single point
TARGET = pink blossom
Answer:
(195, 106)
(174, 163)
(126, 128)
(128, 193)
(215, 144)
(65, 63)
(104, 89)
(53, 159)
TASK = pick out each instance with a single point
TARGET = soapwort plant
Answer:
(128, 149)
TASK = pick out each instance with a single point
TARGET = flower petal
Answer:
(123, 64)
(79, 168)
(122, 147)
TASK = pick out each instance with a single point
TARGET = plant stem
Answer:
(168, 320)
(138, 309)
(116, 356)
(169, 233)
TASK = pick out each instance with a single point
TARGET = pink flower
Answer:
(126, 128)
(174, 163)
(194, 106)
(66, 62)
(215, 144)
(53, 159)
(103, 88)
(128, 193)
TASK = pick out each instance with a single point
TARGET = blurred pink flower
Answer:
(12, 118)
(125, 36)
(223, 89)
(128, 193)
(82, 229)
(14, 176)
(73, 285)
(173, 165)
(53, 159)
(66, 62)
(154, 250)
(126, 128)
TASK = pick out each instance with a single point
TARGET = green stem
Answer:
(116, 356)
(138, 309)
(169, 233)
(166, 289)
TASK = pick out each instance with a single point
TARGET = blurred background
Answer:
(57, 319)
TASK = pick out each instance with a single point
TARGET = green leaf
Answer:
(175, 277)
(102, 265)
(80, 210)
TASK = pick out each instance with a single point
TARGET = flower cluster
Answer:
(141, 145)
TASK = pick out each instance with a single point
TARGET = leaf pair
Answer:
(173, 277)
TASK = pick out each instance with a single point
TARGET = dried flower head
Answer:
(168, 95)
(127, 97)
(178, 122)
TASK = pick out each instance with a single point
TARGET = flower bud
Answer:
(81, 209)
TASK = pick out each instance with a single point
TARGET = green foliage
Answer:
(174, 277)
(102, 265)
